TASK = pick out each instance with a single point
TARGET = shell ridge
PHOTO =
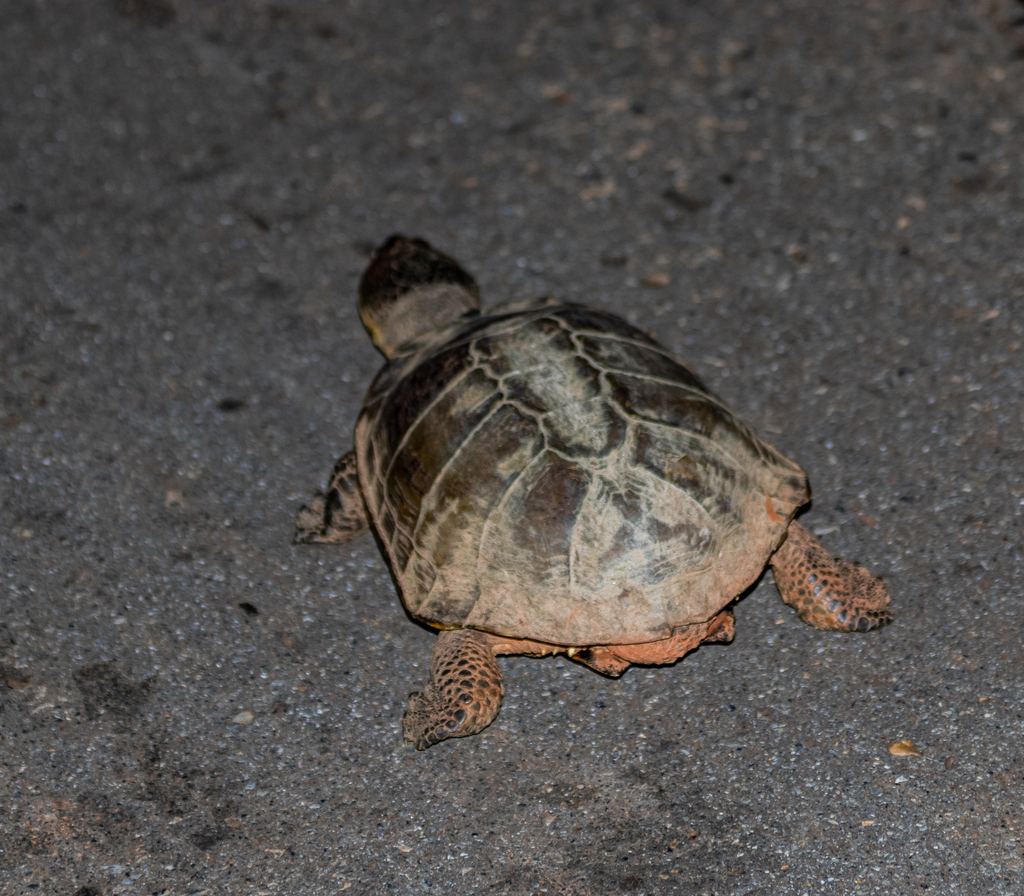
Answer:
(424, 608)
(444, 469)
(708, 442)
(600, 313)
(499, 505)
(764, 451)
(717, 535)
(704, 394)
(602, 468)
(573, 544)
(689, 497)
(455, 382)
(647, 346)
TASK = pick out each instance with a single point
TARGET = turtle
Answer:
(545, 478)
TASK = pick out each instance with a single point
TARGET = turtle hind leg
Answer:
(464, 693)
(338, 516)
(828, 592)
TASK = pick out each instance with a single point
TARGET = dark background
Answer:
(817, 204)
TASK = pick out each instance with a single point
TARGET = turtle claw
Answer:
(309, 522)
(420, 716)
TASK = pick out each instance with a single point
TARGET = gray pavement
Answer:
(819, 205)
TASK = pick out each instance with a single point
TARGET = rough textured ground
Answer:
(818, 204)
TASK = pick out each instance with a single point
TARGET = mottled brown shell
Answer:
(547, 471)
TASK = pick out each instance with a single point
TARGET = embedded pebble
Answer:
(904, 748)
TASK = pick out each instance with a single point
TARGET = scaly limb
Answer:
(338, 516)
(826, 591)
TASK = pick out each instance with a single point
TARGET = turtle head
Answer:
(411, 288)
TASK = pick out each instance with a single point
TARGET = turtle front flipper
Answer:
(826, 591)
(464, 693)
(338, 516)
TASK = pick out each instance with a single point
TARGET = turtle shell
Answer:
(547, 471)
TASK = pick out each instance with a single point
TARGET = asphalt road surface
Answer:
(817, 204)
